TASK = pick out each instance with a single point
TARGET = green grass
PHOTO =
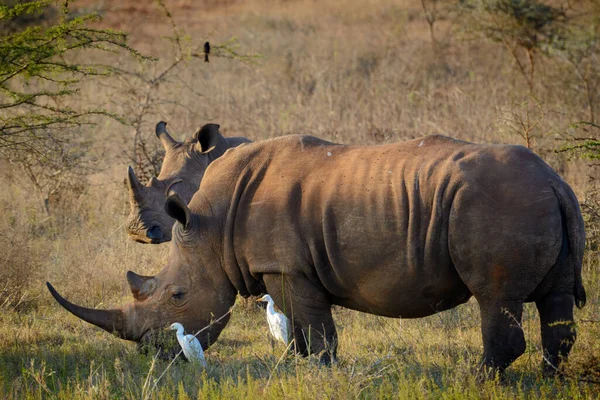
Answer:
(49, 354)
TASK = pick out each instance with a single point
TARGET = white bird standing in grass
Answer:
(192, 350)
(278, 323)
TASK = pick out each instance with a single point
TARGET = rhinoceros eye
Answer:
(178, 298)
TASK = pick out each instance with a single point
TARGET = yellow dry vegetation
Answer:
(352, 71)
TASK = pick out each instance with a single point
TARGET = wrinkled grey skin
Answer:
(400, 230)
(181, 172)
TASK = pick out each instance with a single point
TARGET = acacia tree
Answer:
(579, 47)
(40, 75)
(525, 28)
(40, 125)
(434, 11)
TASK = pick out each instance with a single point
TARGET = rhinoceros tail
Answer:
(575, 236)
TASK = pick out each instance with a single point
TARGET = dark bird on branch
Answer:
(206, 51)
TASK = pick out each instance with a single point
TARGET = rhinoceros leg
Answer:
(503, 339)
(310, 314)
(315, 336)
(558, 333)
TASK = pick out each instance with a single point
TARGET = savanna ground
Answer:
(348, 71)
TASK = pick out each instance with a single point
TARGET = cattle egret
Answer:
(278, 323)
(192, 350)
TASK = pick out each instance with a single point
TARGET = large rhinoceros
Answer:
(181, 172)
(399, 230)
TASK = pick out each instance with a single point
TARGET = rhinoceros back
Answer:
(368, 223)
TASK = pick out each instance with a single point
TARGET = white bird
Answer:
(278, 323)
(192, 350)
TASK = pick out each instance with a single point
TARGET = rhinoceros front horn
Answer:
(110, 320)
(166, 139)
(136, 189)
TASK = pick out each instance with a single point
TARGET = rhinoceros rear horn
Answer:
(141, 287)
(208, 137)
(166, 139)
(109, 320)
(136, 189)
(178, 210)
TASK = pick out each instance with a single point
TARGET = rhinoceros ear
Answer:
(177, 209)
(208, 138)
(141, 287)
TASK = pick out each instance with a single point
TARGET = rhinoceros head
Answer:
(182, 170)
(192, 289)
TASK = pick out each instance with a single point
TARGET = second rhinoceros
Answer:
(181, 172)
(399, 230)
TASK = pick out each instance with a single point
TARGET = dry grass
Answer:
(349, 71)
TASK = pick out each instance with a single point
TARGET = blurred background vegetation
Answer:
(82, 84)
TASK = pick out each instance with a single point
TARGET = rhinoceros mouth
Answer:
(159, 341)
(153, 235)
(145, 337)
(145, 240)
